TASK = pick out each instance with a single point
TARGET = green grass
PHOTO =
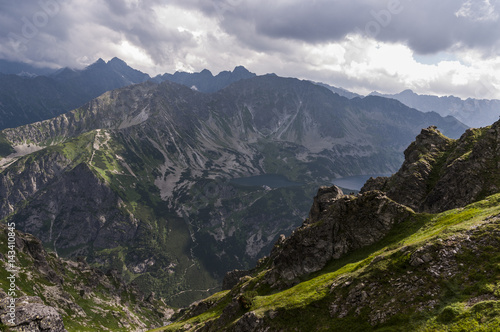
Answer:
(207, 316)
(482, 317)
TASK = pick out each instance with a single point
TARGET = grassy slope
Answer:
(303, 306)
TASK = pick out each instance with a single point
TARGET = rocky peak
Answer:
(439, 173)
(117, 62)
(323, 199)
(410, 185)
(343, 224)
(430, 140)
(206, 73)
(100, 63)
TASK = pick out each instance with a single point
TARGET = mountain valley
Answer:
(139, 179)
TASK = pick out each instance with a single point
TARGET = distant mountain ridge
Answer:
(473, 112)
(37, 97)
(340, 91)
(28, 94)
(26, 100)
(23, 69)
(204, 81)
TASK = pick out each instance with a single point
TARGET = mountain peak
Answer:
(98, 64)
(407, 92)
(117, 61)
(241, 69)
(206, 72)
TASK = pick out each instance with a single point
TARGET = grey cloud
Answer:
(93, 25)
(427, 26)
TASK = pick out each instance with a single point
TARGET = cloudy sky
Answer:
(441, 47)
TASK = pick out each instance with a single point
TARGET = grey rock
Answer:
(323, 199)
(232, 277)
(32, 315)
(345, 224)
(439, 173)
(249, 322)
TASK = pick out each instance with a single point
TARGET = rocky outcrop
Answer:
(31, 315)
(338, 224)
(439, 174)
(323, 200)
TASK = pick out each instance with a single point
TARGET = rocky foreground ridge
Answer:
(439, 173)
(416, 251)
(52, 294)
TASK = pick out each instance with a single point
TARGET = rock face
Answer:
(16, 185)
(77, 195)
(440, 174)
(32, 315)
(337, 224)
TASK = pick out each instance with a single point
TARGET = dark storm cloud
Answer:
(52, 31)
(427, 26)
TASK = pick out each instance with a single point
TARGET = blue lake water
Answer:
(271, 180)
(355, 182)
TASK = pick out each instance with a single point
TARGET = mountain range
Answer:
(29, 94)
(204, 81)
(23, 69)
(142, 179)
(41, 94)
(473, 112)
(165, 187)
